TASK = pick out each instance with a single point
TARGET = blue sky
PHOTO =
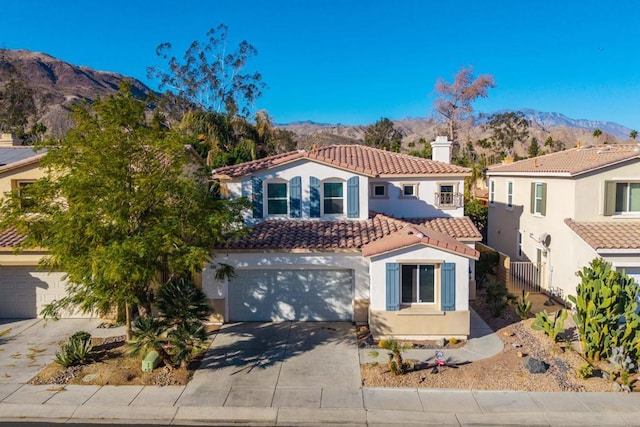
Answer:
(353, 62)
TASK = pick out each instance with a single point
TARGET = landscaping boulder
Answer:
(535, 366)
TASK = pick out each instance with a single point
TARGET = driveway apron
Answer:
(249, 363)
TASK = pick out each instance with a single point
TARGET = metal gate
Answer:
(526, 276)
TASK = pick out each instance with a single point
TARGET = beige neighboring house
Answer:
(562, 210)
(25, 289)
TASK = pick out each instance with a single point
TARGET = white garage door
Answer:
(24, 291)
(276, 295)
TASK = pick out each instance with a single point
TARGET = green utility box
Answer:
(151, 361)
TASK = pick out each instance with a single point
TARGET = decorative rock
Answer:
(90, 378)
(616, 386)
(535, 366)
(508, 334)
(516, 345)
(520, 354)
(440, 342)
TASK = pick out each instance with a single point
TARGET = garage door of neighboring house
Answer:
(275, 295)
(24, 291)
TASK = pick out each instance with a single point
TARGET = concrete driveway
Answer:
(290, 364)
(26, 346)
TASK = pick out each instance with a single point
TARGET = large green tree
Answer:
(507, 128)
(122, 201)
(382, 134)
(211, 76)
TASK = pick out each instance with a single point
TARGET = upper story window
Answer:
(509, 195)
(627, 197)
(519, 244)
(26, 200)
(492, 193)
(333, 198)
(448, 196)
(539, 198)
(277, 198)
(409, 191)
(379, 191)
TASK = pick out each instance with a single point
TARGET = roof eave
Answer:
(618, 251)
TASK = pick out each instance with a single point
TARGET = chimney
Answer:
(441, 149)
(8, 140)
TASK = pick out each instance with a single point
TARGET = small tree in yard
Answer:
(117, 206)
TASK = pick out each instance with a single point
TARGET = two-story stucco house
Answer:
(564, 209)
(350, 233)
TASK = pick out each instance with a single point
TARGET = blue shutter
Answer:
(257, 197)
(448, 281)
(295, 197)
(353, 198)
(393, 286)
(314, 197)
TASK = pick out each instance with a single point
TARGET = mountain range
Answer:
(58, 84)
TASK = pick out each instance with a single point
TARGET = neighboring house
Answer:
(350, 233)
(563, 209)
(24, 288)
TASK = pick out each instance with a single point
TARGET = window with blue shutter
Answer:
(353, 197)
(393, 286)
(448, 286)
(256, 197)
(314, 197)
(295, 197)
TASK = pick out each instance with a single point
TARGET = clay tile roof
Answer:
(350, 235)
(608, 235)
(574, 161)
(357, 158)
(10, 238)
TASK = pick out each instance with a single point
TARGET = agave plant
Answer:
(180, 301)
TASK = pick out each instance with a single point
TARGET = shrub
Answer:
(523, 307)
(396, 364)
(486, 264)
(76, 351)
(606, 311)
(497, 297)
(180, 300)
(551, 327)
(585, 371)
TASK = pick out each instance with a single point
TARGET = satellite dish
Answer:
(545, 239)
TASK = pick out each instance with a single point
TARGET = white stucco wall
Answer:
(413, 255)
(590, 191)
(421, 207)
(252, 260)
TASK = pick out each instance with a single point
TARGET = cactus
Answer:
(554, 327)
(523, 307)
(606, 311)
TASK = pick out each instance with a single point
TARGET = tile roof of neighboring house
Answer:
(619, 235)
(357, 158)
(349, 235)
(573, 161)
(10, 238)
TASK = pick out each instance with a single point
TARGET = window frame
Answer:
(410, 196)
(372, 190)
(537, 208)
(324, 198)
(627, 209)
(435, 281)
(492, 192)
(509, 203)
(19, 184)
(285, 198)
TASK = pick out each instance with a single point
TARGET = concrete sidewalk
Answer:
(368, 406)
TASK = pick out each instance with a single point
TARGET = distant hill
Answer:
(59, 84)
